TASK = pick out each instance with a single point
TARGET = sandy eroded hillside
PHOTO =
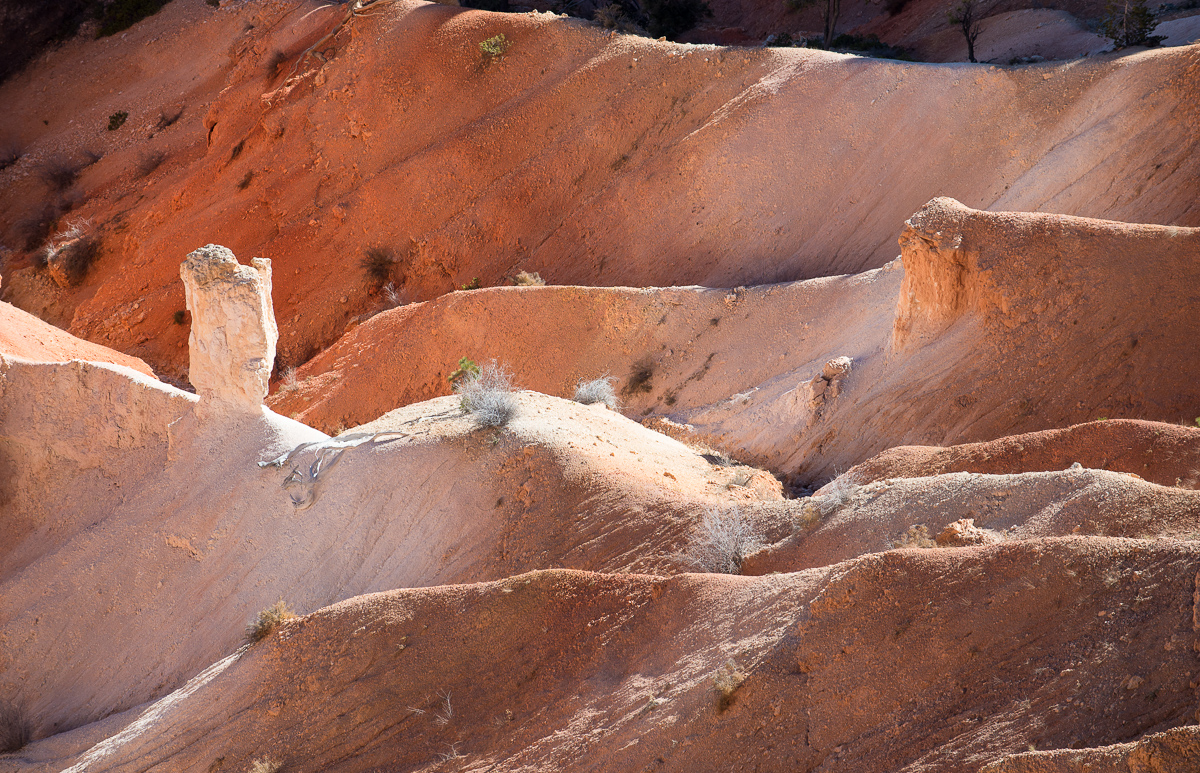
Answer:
(857, 506)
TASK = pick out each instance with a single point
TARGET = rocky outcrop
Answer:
(232, 343)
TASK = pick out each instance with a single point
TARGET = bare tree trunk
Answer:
(833, 9)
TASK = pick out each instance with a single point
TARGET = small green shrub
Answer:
(493, 49)
(117, 120)
(781, 40)
(466, 367)
(267, 621)
(472, 285)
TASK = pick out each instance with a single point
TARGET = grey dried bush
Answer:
(726, 681)
(916, 536)
(488, 395)
(267, 621)
(721, 541)
(76, 249)
(16, 731)
(529, 279)
(598, 390)
(265, 765)
(842, 491)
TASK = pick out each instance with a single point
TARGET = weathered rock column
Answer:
(232, 344)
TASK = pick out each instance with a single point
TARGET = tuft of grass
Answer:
(33, 229)
(276, 62)
(288, 381)
(598, 390)
(168, 118)
(639, 379)
(529, 279)
(488, 395)
(377, 261)
(720, 541)
(267, 621)
(60, 172)
(916, 536)
(75, 249)
(726, 681)
(391, 296)
(16, 730)
(265, 765)
(493, 49)
(117, 120)
(149, 161)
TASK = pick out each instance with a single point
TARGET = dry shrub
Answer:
(916, 536)
(721, 541)
(149, 161)
(33, 229)
(488, 395)
(265, 765)
(168, 118)
(842, 491)
(378, 261)
(75, 249)
(598, 390)
(726, 681)
(268, 620)
(529, 279)
(60, 172)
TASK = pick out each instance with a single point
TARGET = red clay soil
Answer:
(564, 156)
(24, 335)
(1166, 454)
(936, 660)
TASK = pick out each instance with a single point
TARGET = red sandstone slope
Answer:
(931, 660)
(566, 157)
(24, 335)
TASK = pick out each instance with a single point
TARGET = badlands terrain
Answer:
(901, 470)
